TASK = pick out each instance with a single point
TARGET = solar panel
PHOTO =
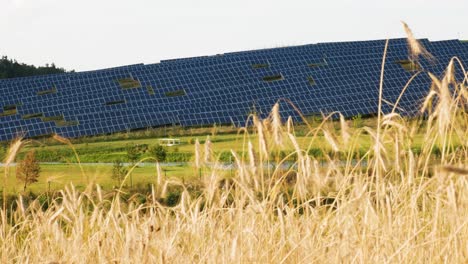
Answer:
(316, 78)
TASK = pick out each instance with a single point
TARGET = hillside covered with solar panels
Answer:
(222, 89)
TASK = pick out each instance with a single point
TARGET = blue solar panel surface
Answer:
(222, 89)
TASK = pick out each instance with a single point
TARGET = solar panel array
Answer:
(222, 89)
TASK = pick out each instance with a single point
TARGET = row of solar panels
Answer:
(324, 77)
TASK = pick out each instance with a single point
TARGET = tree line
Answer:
(10, 68)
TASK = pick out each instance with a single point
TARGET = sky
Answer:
(94, 34)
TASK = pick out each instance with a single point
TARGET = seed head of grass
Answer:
(345, 136)
(61, 139)
(261, 137)
(331, 140)
(13, 151)
(208, 151)
(416, 49)
(252, 162)
(276, 126)
(290, 125)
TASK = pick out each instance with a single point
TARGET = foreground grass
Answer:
(400, 207)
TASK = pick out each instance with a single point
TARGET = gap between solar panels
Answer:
(176, 93)
(115, 102)
(273, 78)
(60, 121)
(409, 65)
(261, 66)
(318, 64)
(66, 123)
(9, 110)
(52, 118)
(129, 83)
(311, 81)
(52, 90)
(150, 90)
(31, 116)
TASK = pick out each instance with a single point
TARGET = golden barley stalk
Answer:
(261, 137)
(290, 125)
(208, 150)
(251, 157)
(345, 136)
(12, 152)
(416, 49)
(331, 140)
(277, 127)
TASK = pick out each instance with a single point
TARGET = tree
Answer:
(119, 171)
(133, 153)
(11, 68)
(159, 152)
(28, 169)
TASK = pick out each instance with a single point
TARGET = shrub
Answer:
(133, 153)
(173, 197)
(118, 171)
(179, 157)
(158, 152)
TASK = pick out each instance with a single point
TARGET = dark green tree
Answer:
(133, 153)
(119, 171)
(11, 69)
(159, 152)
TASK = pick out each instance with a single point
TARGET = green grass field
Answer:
(56, 176)
(60, 175)
(108, 151)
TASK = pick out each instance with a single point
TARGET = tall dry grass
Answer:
(391, 205)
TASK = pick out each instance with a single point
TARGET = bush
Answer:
(159, 152)
(53, 155)
(226, 156)
(173, 197)
(179, 157)
(316, 152)
(133, 153)
(118, 171)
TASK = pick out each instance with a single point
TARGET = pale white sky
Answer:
(94, 34)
